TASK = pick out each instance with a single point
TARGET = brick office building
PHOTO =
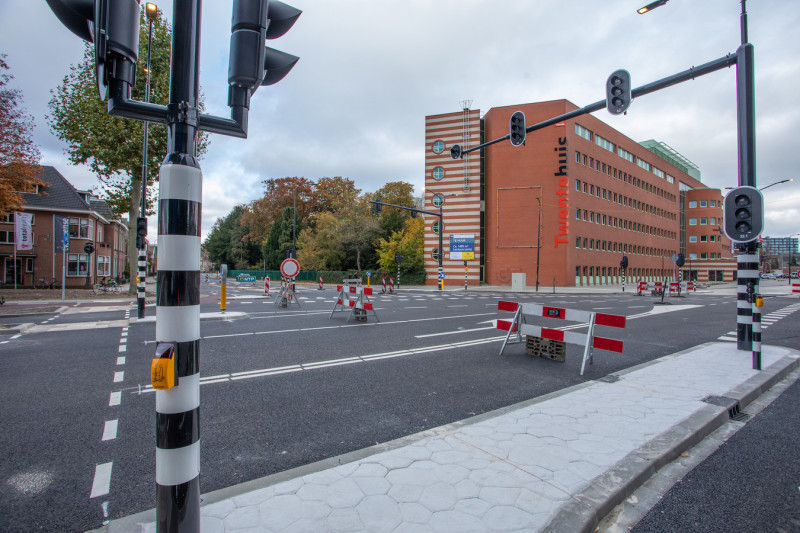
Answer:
(90, 220)
(577, 197)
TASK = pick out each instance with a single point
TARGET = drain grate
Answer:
(731, 404)
(611, 378)
(742, 417)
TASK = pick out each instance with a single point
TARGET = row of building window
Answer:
(599, 192)
(618, 247)
(624, 154)
(702, 203)
(621, 223)
(77, 265)
(704, 221)
(596, 164)
(705, 238)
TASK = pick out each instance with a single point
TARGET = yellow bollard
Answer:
(222, 293)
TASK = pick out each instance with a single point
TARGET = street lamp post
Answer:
(538, 241)
(151, 11)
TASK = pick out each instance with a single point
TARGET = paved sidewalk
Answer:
(556, 463)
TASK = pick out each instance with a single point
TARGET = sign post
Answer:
(462, 247)
(398, 259)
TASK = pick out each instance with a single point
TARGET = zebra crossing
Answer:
(766, 321)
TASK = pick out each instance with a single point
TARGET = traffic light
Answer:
(516, 125)
(456, 151)
(681, 260)
(624, 262)
(113, 27)
(141, 232)
(744, 214)
(378, 205)
(618, 92)
(252, 64)
(413, 213)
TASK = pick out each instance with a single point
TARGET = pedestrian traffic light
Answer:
(113, 27)
(252, 64)
(624, 262)
(516, 125)
(618, 92)
(744, 214)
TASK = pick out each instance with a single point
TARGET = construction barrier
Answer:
(321, 288)
(383, 285)
(354, 297)
(391, 285)
(287, 293)
(519, 325)
(796, 287)
(266, 285)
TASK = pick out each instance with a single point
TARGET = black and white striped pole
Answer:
(757, 302)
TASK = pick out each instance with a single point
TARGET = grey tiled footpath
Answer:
(557, 463)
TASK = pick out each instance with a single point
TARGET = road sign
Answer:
(290, 268)
(441, 275)
(369, 274)
(462, 246)
(245, 278)
(674, 258)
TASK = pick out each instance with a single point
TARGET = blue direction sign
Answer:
(462, 246)
(441, 275)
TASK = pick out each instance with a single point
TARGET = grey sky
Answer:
(370, 70)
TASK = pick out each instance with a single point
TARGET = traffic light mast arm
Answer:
(376, 202)
(690, 74)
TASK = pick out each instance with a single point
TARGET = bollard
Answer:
(383, 285)
(266, 285)
(223, 287)
(391, 285)
(320, 284)
(758, 302)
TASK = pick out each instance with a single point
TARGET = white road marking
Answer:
(123, 348)
(102, 480)
(452, 332)
(110, 430)
(115, 399)
(120, 360)
(119, 376)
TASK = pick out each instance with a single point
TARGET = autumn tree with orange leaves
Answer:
(19, 157)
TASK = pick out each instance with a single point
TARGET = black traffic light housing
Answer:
(113, 27)
(378, 205)
(252, 64)
(624, 262)
(516, 126)
(413, 213)
(141, 232)
(618, 92)
(744, 214)
(456, 151)
(681, 260)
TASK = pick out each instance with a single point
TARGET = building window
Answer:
(624, 154)
(703, 203)
(77, 264)
(608, 145)
(703, 221)
(642, 163)
(577, 157)
(436, 227)
(438, 173)
(712, 221)
(703, 255)
(29, 264)
(692, 221)
(692, 238)
(670, 179)
(435, 254)
(703, 238)
(7, 237)
(438, 147)
(692, 256)
(103, 265)
(692, 204)
(658, 172)
(578, 185)
(438, 200)
(577, 242)
(583, 132)
(712, 203)
(584, 214)
(591, 244)
(584, 186)
(577, 214)
(584, 242)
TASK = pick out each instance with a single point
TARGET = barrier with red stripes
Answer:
(383, 285)
(523, 313)
(354, 298)
(266, 285)
(287, 293)
(391, 285)
(796, 287)
(321, 288)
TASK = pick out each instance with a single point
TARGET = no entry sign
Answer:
(290, 268)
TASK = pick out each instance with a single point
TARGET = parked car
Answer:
(768, 275)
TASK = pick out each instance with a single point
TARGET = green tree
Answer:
(279, 193)
(320, 247)
(112, 146)
(410, 242)
(360, 231)
(396, 193)
(226, 243)
(279, 239)
(19, 157)
(335, 195)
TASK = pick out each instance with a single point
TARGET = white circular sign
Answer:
(290, 268)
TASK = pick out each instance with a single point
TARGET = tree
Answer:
(410, 243)
(226, 244)
(397, 193)
(19, 157)
(335, 195)
(360, 231)
(261, 215)
(279, 240)
(113, 146)
(320, 247)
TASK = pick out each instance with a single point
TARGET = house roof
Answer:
(60, 194)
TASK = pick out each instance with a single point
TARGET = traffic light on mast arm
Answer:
(113, 27)
(618, 92)
(516, 125)
(141, 232)
(251, 64)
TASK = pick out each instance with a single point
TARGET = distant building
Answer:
(578, 196)
(90, 220)
(779, 245)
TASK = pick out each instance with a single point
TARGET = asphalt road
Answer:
(284, 388)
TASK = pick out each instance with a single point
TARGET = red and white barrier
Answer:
(320, 284)
(383, 285)
(796, 287)
(391, 285)
(266, 285)
(520, 325)
(353, 296)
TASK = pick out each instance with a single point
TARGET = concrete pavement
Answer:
(556, 463)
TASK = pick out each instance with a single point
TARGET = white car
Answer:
(768, 275)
